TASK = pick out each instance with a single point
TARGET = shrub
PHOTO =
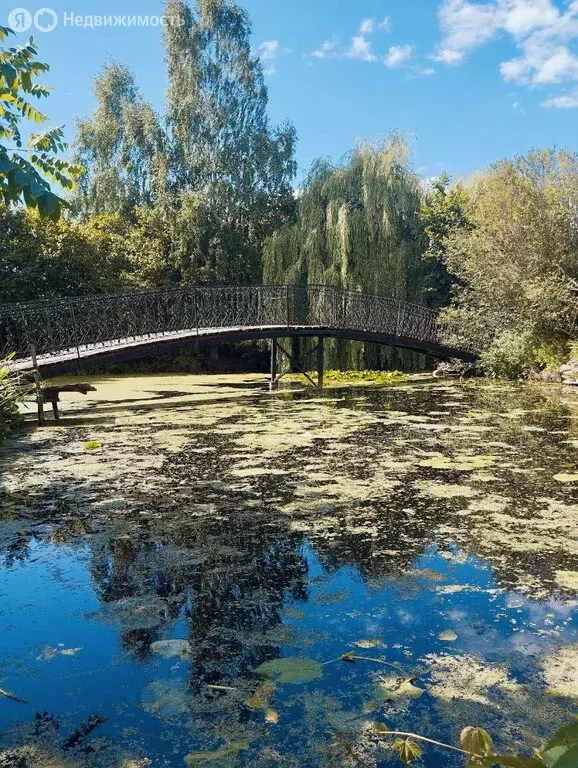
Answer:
(10, 396)
(509, 356)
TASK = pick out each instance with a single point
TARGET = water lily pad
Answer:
(291, 670)
(172, 649)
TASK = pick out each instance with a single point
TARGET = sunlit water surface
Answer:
(430, 528)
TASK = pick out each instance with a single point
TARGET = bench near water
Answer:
(52, 394)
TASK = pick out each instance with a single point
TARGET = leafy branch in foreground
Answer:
(476, 744)
(26, 174)
(10, 396)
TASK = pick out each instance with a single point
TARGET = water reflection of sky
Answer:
(82, 604)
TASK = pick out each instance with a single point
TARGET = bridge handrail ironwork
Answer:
(58, 325)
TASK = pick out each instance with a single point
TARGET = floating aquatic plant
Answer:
(291, 670)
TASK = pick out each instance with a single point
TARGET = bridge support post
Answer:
(273, 381)
(320, 361)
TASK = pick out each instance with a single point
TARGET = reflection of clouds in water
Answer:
(548, 611)
(406, 617)
(529, 644)
(457, 615)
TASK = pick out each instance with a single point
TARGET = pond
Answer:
(191, 585)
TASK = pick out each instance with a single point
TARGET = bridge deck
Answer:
(68, 360)
(62, 332)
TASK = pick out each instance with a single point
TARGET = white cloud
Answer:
(523, 16)
(567, 101)
(544, 34)
(268, 52)
(448, 56)
(465, 26)
(366, 27)
(327, 50)
(427, 72)
(397, 54)
(360, 49)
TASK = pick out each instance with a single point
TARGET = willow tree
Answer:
(227, 163)
(121, 147)
(358, 227)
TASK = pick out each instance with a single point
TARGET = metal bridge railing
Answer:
(62, 325)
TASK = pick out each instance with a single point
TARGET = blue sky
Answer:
(468, 82)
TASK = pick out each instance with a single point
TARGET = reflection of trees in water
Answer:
(397, 538)
(233, 576)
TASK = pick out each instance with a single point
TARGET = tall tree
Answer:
(442, 214)
(26, 175)
(223, 148)
(358, 227)
(121, 146)
(516, 260)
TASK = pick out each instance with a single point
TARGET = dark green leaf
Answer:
(569, 759)
(565, 737)
(511, 761)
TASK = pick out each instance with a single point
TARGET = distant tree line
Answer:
(206, 192)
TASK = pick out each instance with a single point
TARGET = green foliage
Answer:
(122, 148)
(476, 741)
(40, 258)
(93, 445)
(407, 750)
(357, 227)
(26, 174)
(203, 193)
(10, 396)
(442, 214)
(477, 746)
(509, 356)
(371, 377)
(516, 259)
(241, 165)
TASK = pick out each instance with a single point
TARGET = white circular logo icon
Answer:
(45, 20)
(20, 20)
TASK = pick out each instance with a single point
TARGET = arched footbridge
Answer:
(55, 336)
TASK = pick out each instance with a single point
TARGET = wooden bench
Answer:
(52, 395)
